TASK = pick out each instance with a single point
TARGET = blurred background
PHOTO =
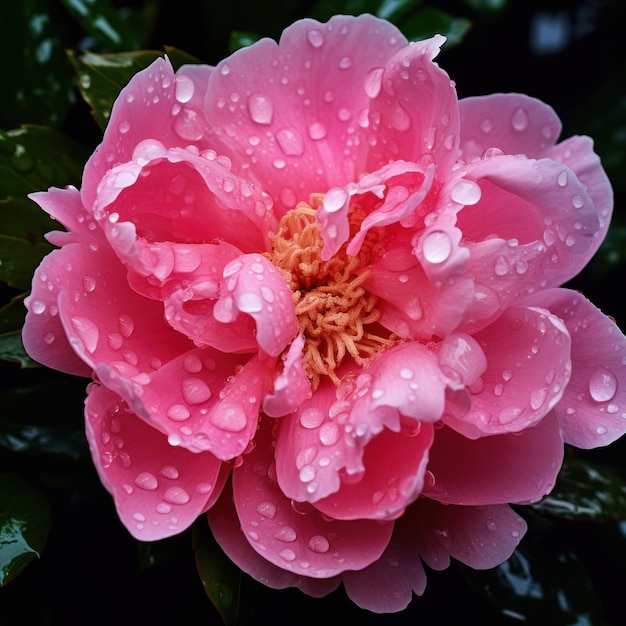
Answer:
(64, 556)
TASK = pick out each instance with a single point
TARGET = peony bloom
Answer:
(320, 298)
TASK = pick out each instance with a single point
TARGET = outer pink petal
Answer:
(283, 113)
(341, 436)
(292, 387)
(226, 528)
(414, 115)
(179, 195)
(395, 465)
(155, 103)
(592, 411)
(43, 333)
(158, 490)
(577, 153)
(527, 352)
(516, 468)
(513, 123)
(253, 286)
(303, 542)
(203, 400)
(510, 257)
(479, 536)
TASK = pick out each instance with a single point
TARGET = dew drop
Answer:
(89, 283)
(267, 509)
(561, 179)
(317, 131)
(195, 391)
(87, 331)
(311, 418)
(124, 127)
(437, 246)
(290, 142)
(146, 481)
(260, 108)
(335, 199)
(184, 88)
(229, 417)
(178, 413)
(319, 544)
(37, 307)
(329, 434)
(602, 385)
(285, 534)
(249, 302)
(519, 120)
(287, 555)
(373, 82)
(176, 495)
(465, 192)
(316, 38)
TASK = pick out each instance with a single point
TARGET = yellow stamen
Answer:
(333, 308)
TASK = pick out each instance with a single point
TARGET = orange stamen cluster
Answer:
(333, 308)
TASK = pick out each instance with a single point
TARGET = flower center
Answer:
(337, 316)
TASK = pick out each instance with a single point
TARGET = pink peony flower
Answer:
(320, 299)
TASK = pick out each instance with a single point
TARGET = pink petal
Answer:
(304, 542)
(592, 411)
(155, 103)
(411, 305)
(253, 286)
(43, 334)
(226, 529)
(283, 113)
(325, 446)
(511, 122)
(158, 490)
(481, 537)
(527, 352)
(509, 257)
(516, 468)
(415, 115)
(393, 478)
(292, 387)
(577, 153)
(203, 400)
(179, 195)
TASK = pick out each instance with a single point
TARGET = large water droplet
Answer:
(519, 120)
(317, 131)
(316, 38)
(290, 142)
(437, 246)
(319, 544)
(286, 534)
(267, 509)
(602, 385)
(373, 82)
(184, 88)
(87, 332)
(195, 391)
(335, 199)
(465, 192)
(311, 418)
(147, 481)
(229, 417)
(176, 495)
(260, 108)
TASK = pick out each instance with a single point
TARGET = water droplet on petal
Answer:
(267, 509)
(178, 413)
(87, 331)
(317, 131)
(37, 307)
(437, 246)
(195, 391)
(316, 38)
(602, 385)
(373, 82)
(290, 142)
(335, 199)
(260, 108)
(229, 417)
(176, 495)
(519, 120)
(466, 192)
(311, 418)
(184, 88)
(561, 179)
(319, 544)
(146, 481)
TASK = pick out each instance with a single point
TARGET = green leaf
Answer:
(547, 585)
(35, 157)
(105, 23)
(586, 492)
(430, 21)
(241, 39)
(36, 77)
(222, 580)
(101, 77)
(25, 521)
(22, 245)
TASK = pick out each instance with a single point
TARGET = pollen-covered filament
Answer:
(333, 308)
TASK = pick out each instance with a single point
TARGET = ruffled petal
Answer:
(527, 352)
(516, 468)
(304, 542)
(292, 387)
(253, 286)
(592, 411)
(478, 536)
(511, 122)
(282, 111)
(577, 153)
(203, 400)
(426, 133)
(226, 529)
(159, 490)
